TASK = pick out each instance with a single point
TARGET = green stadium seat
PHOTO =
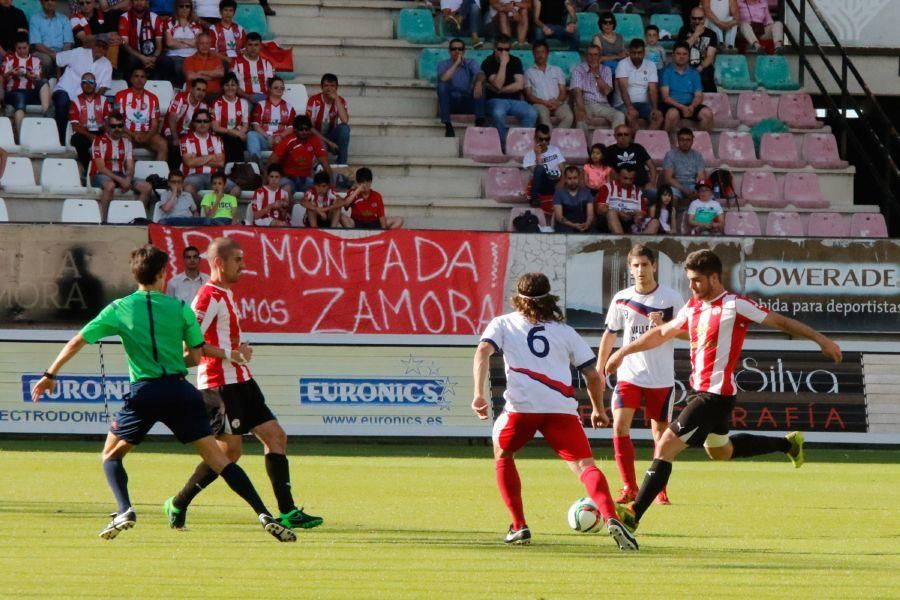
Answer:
(565, 60)
(670, 23)
(587, 28)
(526, 57)
(478, 55)
(428, 62)
(630, 25)
(29, 7)
(252, 18)
(773, 73)
(733, 73)
(416, 25)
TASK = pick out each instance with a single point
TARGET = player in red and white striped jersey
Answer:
(271, 204)
(231, 119)
(112, 164)
(227, 37)
(21, 73)
(142, 114)
(716, 321)
(253, 71)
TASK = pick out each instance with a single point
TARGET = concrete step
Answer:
(407, 146)
(369, 106)
(337, 26)
(428, 189)
(308, 63)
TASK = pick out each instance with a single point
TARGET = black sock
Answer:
(746, 444)
(280, 476)
(117, 479)
(202, 477)
(654, 481)
(237, 480)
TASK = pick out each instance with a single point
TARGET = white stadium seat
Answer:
(18, 178)
(116, 86)
(60, 176)
(7, 141)
(125, 211)
(164, 92)
(40, 135)
(145, 168)
(297, 214)
(295, 94)
(80, 211)
(4, 216)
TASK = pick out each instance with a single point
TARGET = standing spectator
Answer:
(204, 64)
(596, 171)
(112, 164)
(228, 38)
(505, 12)
(461, 17)
(271, 205)
(202, 154)
(662, 217)
(176, 206)
(722, 18)
(682, 93)
(545, 89)
(591, 83)
(626, 152)
(87, 114)
(180, 116)
(24, 81)
(624, 202)
(637, 88)
(142, 34)
(49, 32)
(655, 52)
(142, 114)
(505, 82)
(610, 41)
(78, 63)
(89, 24)
(322, 206)
(217, 206)
(367, 205)
(705, 214)
(12, 24)
(573, 205)
(702, 42)
(546, 163)
(180, 34)
(297, 153)
(683, 166)
(556, 19)
(184, 286)
(460, 87)
(330, 118)
(270, 121)
(231, 120)
(757, 24)
(253, 71)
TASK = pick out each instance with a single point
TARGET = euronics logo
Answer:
(373, 391)
(78, 388)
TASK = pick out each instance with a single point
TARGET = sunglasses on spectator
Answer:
(503, 49)
(202, 121)
(623, 134)
(543, 138)
(457, 49)
(90, 81)
(608, 22)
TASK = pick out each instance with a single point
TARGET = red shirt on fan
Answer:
(273, 118)
(200, 146)
(296, 155)
(231, 115)
(131, 25)
(263, 197)
(139, 109)
(183, 109)
(324, 116)
(15, 67)
(89, 113)
(228, 40)
(254, 75)
(367, 209)
(622, 198)
(114, 153)
(221, 326)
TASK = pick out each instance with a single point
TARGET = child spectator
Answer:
(23, 82)
(271, 205)
(217, 206)
(662, 217)
(367, 206)
(228, 38)
(705, 215)
(176, 206)
(596, 172)
(654, 51)
(322, 206)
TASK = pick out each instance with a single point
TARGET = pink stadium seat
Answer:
(703, 145)
(519, 142)
(780, 150)
(607, 137)
(736, 149)
(828, 224)
(868, 225)
(572, 143)
(797, 110)
(753, 107)
(744, 222)
(504, 184)
(784, 224)
(760, 188)
(720, 105)
(821, 152)
(655, 142)
(803, 191)
(482, 144)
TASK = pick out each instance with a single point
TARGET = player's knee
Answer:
(621, 428)
(501, 453)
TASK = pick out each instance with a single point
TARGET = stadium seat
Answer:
(18, 177)
(733, 73)
(631, 26)
(60, 176)
(780, 150)
(736, 149)
(656, 143)
(116, 86)
(703, 145)
(607, 137)
(526, 56)
(545, 221)
(828, 224)
(797, 111)
(802, 190)
(760, 189)
(416, 25)
(164, 92)
(504, 184)
(565, 60)
(40, 135)
(145, 168)
(773, 73)
(298, 212)
(784, 224)
(821, 152)
(482, 144)
(428, 62)
(295, 94)
(519, 141)
(4, 215)
(252, 18)
(80, 211)
(754, 107)
(588, 27)
(123, 212)
(720, 105)
(7, 140)
(868, 225)
(29, 7)
(742, 222)
(667, 23)
(572, 143)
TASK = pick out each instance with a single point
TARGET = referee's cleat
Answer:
(796, 451)
(626, 495)
(519, 537)
(276, 529)
(620, 534)
(120, 522)
(177, 517)
(626, 515)
(298, 518)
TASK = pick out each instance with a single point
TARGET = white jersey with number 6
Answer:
(538, 359)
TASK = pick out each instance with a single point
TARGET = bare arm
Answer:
(654, 337)
(594, 383)
(46, 384)
(607, 341)
(797, 329)
(480, 368)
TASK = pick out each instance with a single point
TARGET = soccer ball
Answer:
(584, 516)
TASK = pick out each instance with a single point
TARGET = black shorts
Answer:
(171, 400)
(694, 117)
(236, 408)
(705, 413)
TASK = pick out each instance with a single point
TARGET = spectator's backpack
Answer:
(723, 188)
(527, 222)
(243, 175)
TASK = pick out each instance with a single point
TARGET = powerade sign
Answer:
(373, 391)
(78, 389)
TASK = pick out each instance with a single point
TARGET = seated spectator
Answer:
(596, 171)
(573, 205)
(141, 111)
(202, 154)
(701, 42)
(683, 166)
(207, 11)
(557, 20)
(142, 35)
(323, 209)
(460, 87)
(462, 17)
(78, 63)
(722, 18)
(228, 38)
(180, 34)
(330, 118)
(271, 205)
(591, 84)
(112, 164)
(757, 24)
(49, 32)
(177, 206)
(89, 24)
(627, 152)
(87, 114)
(506, 12)
(270, 121)
(505, 82)
(705, 214)
(637, 88)
(662, 218)
(217, 206)
(622, 201)
(13, 23)
(367, 205)
(682, 93)
(610, 41)
(297, 153)
(184, 286)
(546, 163)
(253, 71)
(180, 116)
(231, 120)
(23, 81)
(655, 52)
(545, 89)
(203, 64)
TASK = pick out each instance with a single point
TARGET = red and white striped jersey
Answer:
(323, 201)
(139, 109)
(324, 115)
(228, 40)
(89, 112)
(200, 146)
(15, 68)
(114, 153)
(139, 31)
(263, 197)
(717, 330)
(221, 327)
(183, 110)
(254, 75)
(273, 118)
(231, 115)
(622, 198)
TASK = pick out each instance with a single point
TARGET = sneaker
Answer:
(176, 516)
(626, 495)
(449, 131)
(520, 537)
(626, 515)
(662, 499)
(616, 7)
(298, 518)
(120, 522)
(620, 534)
(276, 529)
(796, 451)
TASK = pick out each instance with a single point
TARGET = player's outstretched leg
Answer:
(598, 489)
(511, 491)
(623, 449)
(745, 445)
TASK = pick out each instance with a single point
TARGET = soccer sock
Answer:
(280, 476)
(511, 490)
(202, 477)
(597, 488)
(624, 453)
(654, 482)
(746, 445)
(238, 481)
(117, 479)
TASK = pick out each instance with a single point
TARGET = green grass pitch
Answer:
(426, 521)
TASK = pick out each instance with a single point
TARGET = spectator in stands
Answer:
(176, 206)
(705, 214)
(204, 64)
(217, 206)
(142, 33)
(546, 163)
(231, 120)
(545, 89)
(702, 43)
(637, 88)
(626, 152)
(113, 9)
(112, 164)
(330, 118)
(505, 12)
(49, 32)
(662, 217)
(573, 204)
(505, 82)
(367, 205)
(462, 17)
(207, 11)
(24, 81)
(271, 205)
(591, 83)
(253, 71)
(297, 154)
(323, 209)
(596, 171)
(556, 19)
(623, 201)
(180, 35)
(654, 51)
(683, 166)
(610, 41)
(184, 286)
(13, 23)
(87, 114)
(722, 18)
(202, 154)
(682, 93)
(142, 115)
(228, 38)
(757, 24)
(89, 24)
(460, 87)
(79, 62)
(270, 121)
(180, 116)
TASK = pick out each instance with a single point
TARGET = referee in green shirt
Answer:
(161, 339)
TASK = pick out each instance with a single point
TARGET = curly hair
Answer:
(534, 300)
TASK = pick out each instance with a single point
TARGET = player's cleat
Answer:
(298, 518)
(120, 522)
(627, 517)
(662, 499)
(276, 529)
(177, 517)
(519, 537)
(620, 534)
(626, 495)
(796, 451)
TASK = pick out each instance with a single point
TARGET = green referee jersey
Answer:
(152, 327)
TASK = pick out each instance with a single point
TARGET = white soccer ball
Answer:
(584, 516)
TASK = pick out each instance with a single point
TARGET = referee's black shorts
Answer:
(170, 400)
(236, 408)
(705, 414)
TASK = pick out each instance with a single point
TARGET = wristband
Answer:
(49, 375)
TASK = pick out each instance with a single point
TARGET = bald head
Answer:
(221, 247)
(226, 261)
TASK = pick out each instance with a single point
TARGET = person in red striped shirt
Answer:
(203, 154)
(112, 165)
(142, 33)
(271, 205)
(23, 82)
(141, 110)
(716, 321)
(330, 118)
(87, 114)
(252, 70)
(228, 38)
(272, 120)
(180, 115)
(231, 119)
(323, 209)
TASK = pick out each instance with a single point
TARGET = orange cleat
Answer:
(662, 499)
(626, 495)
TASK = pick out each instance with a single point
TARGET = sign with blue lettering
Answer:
(374, 391)
(81, 389)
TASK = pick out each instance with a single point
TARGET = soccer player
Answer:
(538, 349)
(716, 321)
(647, 377)
(160, 334)
(234, 402)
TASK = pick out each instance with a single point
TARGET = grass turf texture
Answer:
(427, 521)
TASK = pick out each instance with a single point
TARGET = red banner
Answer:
(398, 282)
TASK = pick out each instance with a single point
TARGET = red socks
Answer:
(624, 452)
(511, 490)
(597, 488)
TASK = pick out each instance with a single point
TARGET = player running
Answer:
(234, 401)
(155, 330)
(717, 322)
(538, 349)
(648, 376)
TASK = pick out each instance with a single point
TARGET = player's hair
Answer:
(322, 177)
(642, 250)
(704, 262)
(534, 300)
(147, 262)
(364, 174)
(221, 247)
(329, 78)
(21, 38)
(115, 116)
(627, 167)
(253, 36)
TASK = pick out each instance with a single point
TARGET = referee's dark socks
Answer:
(202, 477)
(118, 482)
(237, 480)
(746, 444)
(655, 480)
(280, 476)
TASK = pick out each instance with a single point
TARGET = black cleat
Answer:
(519, 537)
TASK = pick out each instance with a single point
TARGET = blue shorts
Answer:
(171, 400)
